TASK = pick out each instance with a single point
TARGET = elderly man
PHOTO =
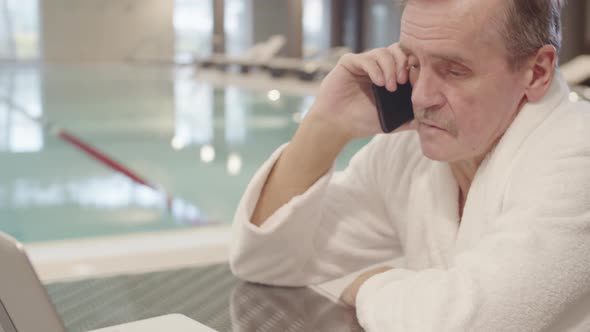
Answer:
(486, 195)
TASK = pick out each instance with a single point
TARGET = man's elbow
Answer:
(246, 268)
(238, 269)
(266, 274)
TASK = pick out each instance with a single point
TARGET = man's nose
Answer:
(426, 92)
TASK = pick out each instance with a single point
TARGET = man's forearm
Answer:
(308, 157)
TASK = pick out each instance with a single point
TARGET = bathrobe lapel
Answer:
(485, 197)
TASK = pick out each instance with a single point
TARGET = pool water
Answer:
(199, 142)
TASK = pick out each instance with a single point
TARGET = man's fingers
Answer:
(375, 72)
(362, 65)
(380, 65)
(387, 63)
(401, 59)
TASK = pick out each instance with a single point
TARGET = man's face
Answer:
(465, 95)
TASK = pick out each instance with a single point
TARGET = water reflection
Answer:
(207, 153)
(236, 109)
(274, 95)
(194, 113)
(18, 132)
(234, 164)
(101, 192)
(202, 141)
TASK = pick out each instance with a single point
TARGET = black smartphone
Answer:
(394, 108)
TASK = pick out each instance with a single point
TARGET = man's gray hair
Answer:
(529, 25)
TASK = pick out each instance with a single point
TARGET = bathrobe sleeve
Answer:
(337, 226)
(528, 270)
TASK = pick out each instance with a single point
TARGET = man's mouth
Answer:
(431, 124)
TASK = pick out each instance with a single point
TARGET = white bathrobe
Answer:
(518, 260)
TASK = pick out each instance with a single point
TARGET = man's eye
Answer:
(455, 73)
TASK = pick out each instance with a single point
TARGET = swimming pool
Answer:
(200, 141)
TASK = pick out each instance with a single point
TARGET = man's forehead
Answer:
(455, 12)
(469, 5)
(458, 24)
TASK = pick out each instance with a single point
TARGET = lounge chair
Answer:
(577, 71)
(309, 69)
(256, 56)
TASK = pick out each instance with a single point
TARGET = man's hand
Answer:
(349, 295)
(345, 100)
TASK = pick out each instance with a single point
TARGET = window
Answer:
(19, 29)
(19, 133)
(316, 27)
(193, 27)
(383, 24)
(238, 26)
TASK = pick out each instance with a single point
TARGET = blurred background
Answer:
(145, 119)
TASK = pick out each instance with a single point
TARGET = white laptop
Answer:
(25, 305)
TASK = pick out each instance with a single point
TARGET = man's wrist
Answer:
(328, 124)
(320, 133)
(349, 296)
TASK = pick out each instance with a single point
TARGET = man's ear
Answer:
(539, 73)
